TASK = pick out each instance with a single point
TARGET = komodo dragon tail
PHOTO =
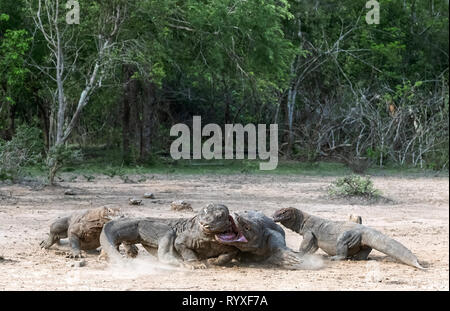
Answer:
(107, 241)
(391, 247)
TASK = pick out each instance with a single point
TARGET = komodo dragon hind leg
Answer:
(58, 230)
(362, 254)
(166, 250)
(348, 240)
(130, 249)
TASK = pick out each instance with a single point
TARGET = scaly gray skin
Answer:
(259, 238)
(83, 229)
(174, 240)
(341, 239)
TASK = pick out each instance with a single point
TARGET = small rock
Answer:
(78, 264)
(149, 195)
(69, 192)
(133, 201)
(180, 205)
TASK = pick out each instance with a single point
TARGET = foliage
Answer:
(59, 156)
(376, 92)
(24, 149)
(353, 186)
(13, 46)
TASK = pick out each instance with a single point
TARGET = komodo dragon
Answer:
(83, 229)
(355, 218)
(341, 239)
(192, 238)
(259, 238)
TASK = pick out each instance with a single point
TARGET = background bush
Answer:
(353, 186)
(24, 149)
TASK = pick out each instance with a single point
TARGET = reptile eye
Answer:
(247, 228)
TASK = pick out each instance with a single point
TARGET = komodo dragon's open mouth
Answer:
(233, 235)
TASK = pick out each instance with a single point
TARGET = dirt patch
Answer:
(355, 200)
(419, 219)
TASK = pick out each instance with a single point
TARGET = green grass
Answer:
(109, 162)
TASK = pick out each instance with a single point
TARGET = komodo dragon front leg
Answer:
(188, 246)
(184, 246)
(223, 259)
(165, 251)
(58, 230)
(309, 244)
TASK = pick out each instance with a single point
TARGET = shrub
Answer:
(353, 186)
(112, 171)
(23, 149)
(60, 156)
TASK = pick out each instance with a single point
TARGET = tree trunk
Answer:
(136, 112)
(284, 114)
(228, 100)
(290, 105)
(43, 112)
(147, 119)
(12, 121)
(126, 156)
(61, 115)
(52, 174)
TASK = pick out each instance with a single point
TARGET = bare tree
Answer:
(64, 44)
(308, 61)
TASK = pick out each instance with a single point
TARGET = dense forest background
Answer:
(339, 88)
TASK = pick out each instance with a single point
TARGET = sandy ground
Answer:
(419, 219)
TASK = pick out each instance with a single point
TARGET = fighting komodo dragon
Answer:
(190, 238)
(341, 239)
(260, 239)
(83, 229)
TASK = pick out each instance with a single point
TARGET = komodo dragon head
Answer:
(101, 215)
(288, 217)
(214, 218)
(250, 231)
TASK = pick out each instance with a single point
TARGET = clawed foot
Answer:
(288, 260)
(213, 261)
(44, 244)
(218, 261)
(103, 256)
(337, 258)
(132, 251)
(195, 265)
